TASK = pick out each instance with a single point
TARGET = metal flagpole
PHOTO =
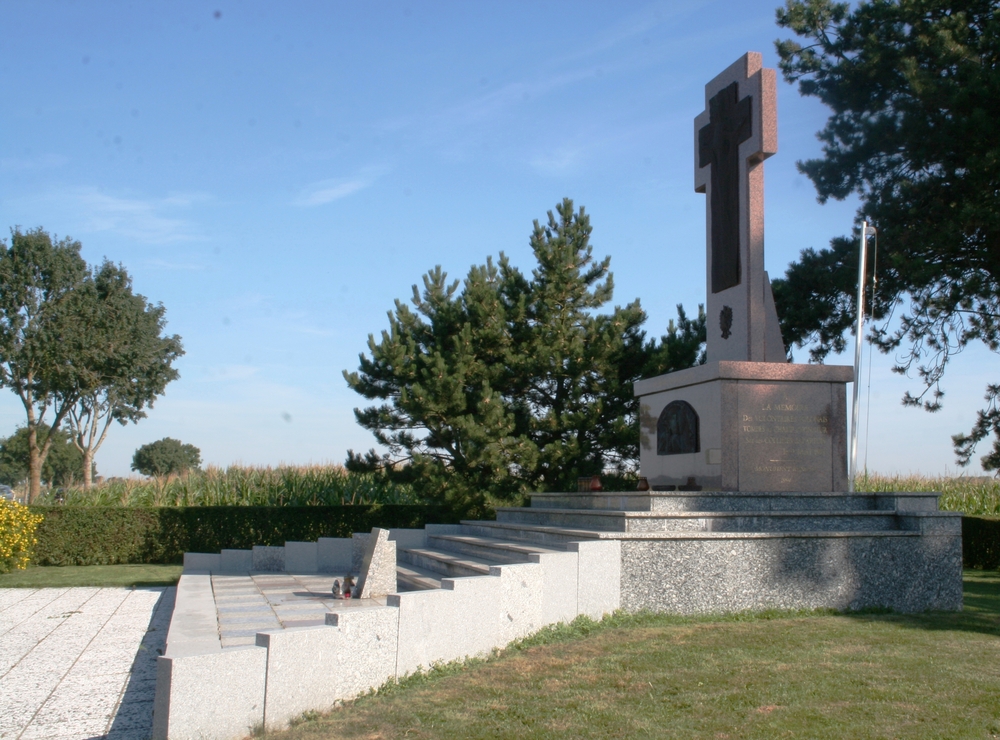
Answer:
(866, 231)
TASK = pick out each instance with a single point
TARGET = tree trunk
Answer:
(34, 466)
(88, 468)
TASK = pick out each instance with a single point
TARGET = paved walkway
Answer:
(80, 663)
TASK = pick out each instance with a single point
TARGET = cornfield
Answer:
(975, 496)
(315, 485)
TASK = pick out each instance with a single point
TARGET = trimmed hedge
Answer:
(980, 542)
(104, 535)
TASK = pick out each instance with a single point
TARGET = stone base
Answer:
(902, 571)
(758, 426)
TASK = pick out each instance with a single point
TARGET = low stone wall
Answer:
(206, 691)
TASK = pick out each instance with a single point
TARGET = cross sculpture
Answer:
(733, 137)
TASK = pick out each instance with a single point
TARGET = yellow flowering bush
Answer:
(17, 535)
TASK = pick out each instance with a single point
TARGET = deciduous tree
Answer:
(166, 456)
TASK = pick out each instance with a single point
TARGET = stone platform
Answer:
(257, 639)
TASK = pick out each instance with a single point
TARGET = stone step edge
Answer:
(459, 559)
(418, 576)
(594, 534)
(522, 547)
(706, 514)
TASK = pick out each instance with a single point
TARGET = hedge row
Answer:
(980, 542)
(103, 535)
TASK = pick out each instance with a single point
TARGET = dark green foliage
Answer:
(914, 86)
(166, 456)
(514, 383)
(62, 466)
(980, 542)
(104, 535)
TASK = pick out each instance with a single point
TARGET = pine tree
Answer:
(513, 383)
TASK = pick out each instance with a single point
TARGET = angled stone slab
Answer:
(378, 569)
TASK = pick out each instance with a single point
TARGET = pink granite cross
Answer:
(733, 136)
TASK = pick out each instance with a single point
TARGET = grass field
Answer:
(975, 496)
(933, 675)
(92, 575)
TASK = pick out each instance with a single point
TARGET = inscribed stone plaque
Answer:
(785, 438)
(677, 430)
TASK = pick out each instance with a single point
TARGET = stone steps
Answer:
(703, 521)
(490, 549)
(670, 501)
(448, 564)
(411, 578)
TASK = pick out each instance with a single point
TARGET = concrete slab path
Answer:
(80, 663)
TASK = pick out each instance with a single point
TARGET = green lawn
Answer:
(933, 675)
(92, 575)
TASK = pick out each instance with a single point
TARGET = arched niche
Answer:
(677, 431)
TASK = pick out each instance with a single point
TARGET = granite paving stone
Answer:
(73, 660)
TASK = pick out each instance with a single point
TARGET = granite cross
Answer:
(732, 137)
(719, 145)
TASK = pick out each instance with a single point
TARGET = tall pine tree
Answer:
(514, 383)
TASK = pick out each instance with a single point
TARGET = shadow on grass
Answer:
(981, 612)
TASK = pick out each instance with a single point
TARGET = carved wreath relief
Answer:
(726, 322)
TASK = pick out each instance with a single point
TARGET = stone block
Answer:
(459, 620)
(268, 559)
(522, 591)
(201, 562)
(407, 538)
(236, 561)
(378, 569)
(559, 585)
(301, 557)
(600, 569)
(216, 696)
(370, 637)
(194, 626)
(333, 554)
(310, 669)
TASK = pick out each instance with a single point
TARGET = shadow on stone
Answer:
(134, 715)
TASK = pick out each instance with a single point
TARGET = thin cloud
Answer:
(145, 220)
(327, 191)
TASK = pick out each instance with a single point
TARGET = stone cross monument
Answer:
(747, 420)
(733, 136)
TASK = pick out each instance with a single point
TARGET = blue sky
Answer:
(276, 174)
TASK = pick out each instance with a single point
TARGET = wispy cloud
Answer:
(327, 191)
(148, 220)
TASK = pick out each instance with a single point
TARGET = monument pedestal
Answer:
(745, 426)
